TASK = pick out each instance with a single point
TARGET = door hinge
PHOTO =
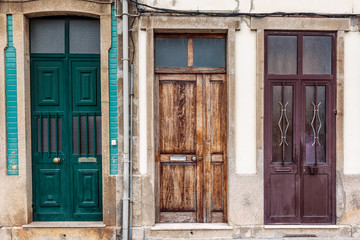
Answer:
(335, 112)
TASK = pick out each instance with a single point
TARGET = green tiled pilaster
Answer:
(114, 158)
(11, 103)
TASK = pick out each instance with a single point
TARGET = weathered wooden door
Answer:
(66, 125)
(300, 101)
(191, 156)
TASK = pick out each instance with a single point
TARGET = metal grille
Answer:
(89, 141)
(49, 138)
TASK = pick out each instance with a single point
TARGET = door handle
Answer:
(194, 158)
(56, 160)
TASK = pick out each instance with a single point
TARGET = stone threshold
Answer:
(301, 226)
(65, 225)
(190, 226)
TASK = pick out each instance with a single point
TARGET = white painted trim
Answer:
(142, 104)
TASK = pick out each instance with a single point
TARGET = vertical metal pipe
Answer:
(125, 20)
(131, 147)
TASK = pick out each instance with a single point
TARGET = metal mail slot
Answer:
(177, 158)
(87, 159)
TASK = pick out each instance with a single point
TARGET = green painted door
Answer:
(66, 134)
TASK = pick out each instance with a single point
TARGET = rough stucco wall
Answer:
(257, 6)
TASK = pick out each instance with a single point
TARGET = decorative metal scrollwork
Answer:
(316, 115)
(283, 115)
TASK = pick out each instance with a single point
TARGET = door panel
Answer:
(192, 148)
(300, 128)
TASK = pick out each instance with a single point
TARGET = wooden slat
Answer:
(200, 146)
(177, 77)
(190, 53)
(190, 35)
(217, 158)
(181, 217)
(218, 217)
(189, 70)
(207, 149)
(217, 187)
(217, 77)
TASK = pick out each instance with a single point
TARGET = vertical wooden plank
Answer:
(190, 53)
(157, 147)
(207, 148)
(199, 146)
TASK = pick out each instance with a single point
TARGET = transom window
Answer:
(190, 51)
(48, 35)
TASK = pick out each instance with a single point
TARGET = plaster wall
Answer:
(261, 6)
(351, 101)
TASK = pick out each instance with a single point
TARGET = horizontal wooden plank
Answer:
(217, 217)
(177, 77)
(189, 35)
(189, 70)
(178, 217)
(217, 158)
(217, 77)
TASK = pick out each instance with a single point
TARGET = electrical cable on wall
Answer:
(234, 14)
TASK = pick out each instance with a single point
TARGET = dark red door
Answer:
(300, 100)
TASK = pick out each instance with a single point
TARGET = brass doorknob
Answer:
(56, 160)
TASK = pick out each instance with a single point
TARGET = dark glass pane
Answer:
(321, 153)
(84, 36)
(317, 54)
(47, 36)
(209, 52)
(282, 55)
(315, 124)
(171, 52)
(282, 124)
